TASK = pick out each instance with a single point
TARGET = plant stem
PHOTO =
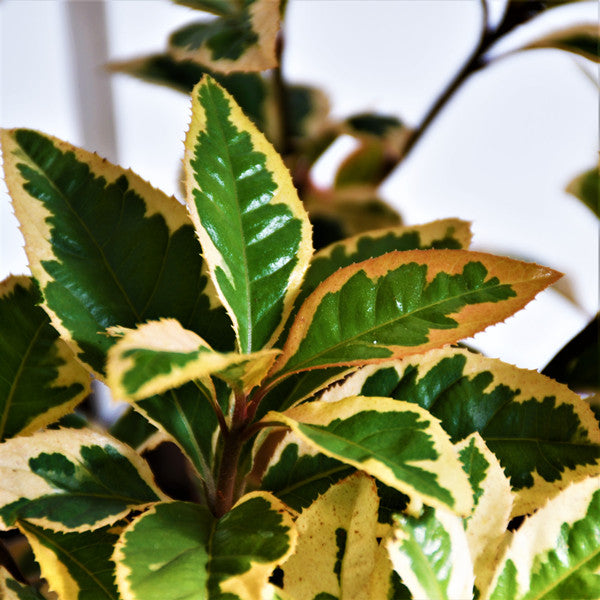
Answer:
(233, 441)
(473, 64)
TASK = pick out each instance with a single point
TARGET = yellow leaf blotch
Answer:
(349, 506)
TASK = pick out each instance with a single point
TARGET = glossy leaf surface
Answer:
(432, 556)
(106, 247)
(161, 355)
(77, 566)
(404, 303)
(180, 550)
(398, 443)
(71, 479)
(40, 380)
(544, 435)
(337, 545)
(252, 226)
(243, 40)
(556, 552)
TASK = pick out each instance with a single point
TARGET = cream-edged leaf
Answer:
(162, 355)
(544, 435)
(40, 379)
(399, 443)
(556, 552)
(337, 546)
(254, 231)
(71, 480)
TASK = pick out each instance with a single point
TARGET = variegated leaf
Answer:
(241, 40)
(544, 435)
(178, 549)
(586, 187)
(71, 480)
(11, 589)
(583, 39)
(136, 431)
(556, 552)
(254, 231)
(337, 546)
(294, 470)
(487, 526)
(162, 355)
(106, 247)
(217, 7)
(447, 233)
(77, 566)
(399, 443)
(404, 303)
(40, 379)
(431, 555)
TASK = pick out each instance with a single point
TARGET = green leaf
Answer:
(544, 435)
(77, 566)
(106, 248)
(398, 443)
(556, 552)
(447, 233)
(486, 527)
(576, 364)
(294, 472)
(404, 303)
(431, 555)
(162, 355)
(579, 39)
(337, 543)
(242, 40)
(71, 479)
(40, 380)
(254, 231)
(178, 550)
(586, 187)
(374, 125)
(136, 431)
(11, 589)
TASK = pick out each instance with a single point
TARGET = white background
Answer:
(500, 155)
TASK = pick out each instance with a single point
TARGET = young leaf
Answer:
(254, 231)
(580, 39)
(486, 527)
(178, 550)
(431, 555)
(162, 355)
(40, 380)
(586, 187)
(447, 233)
(71, 480)
(556, 552)
(337, 545)
(11, 589)
(77, 566)
(106, 247)
(243, 40)
(404, 303)
(544, 435)
(399, 443)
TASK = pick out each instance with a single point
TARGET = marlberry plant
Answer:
(339, 444)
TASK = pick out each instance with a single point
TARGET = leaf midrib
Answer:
(18, 375)
(298, 367)
(36, 167)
